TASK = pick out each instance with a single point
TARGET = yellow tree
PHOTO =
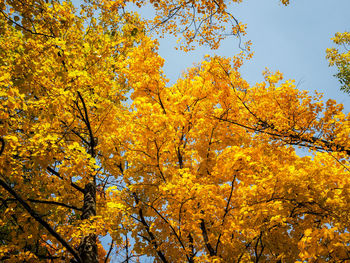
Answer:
(62, 83)
(341, 59)
(212, 176)
(94, 143)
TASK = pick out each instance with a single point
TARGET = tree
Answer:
(95, 143)
(341, 60)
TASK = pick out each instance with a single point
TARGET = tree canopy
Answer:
(95, 143)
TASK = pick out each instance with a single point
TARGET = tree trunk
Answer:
(88, 246)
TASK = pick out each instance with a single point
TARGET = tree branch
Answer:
(174, 231)
(2, 145)
(109, 251)
(25, 29)
(226, 211)
(59, 176)
(38, 218)
(148, 230)
(295, 139)
(206, 240)
(54, 203)
(87, 122)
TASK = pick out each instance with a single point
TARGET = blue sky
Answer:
(290, 39)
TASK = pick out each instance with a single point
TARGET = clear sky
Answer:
(290, 39)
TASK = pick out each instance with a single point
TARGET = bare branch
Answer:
(109, 251)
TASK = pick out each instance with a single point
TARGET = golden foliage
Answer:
(95, 144)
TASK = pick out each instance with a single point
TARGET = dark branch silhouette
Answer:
(41, 221)
(2, 141)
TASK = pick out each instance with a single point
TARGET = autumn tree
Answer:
(341, 59)
(62, 75)
(95, 143)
